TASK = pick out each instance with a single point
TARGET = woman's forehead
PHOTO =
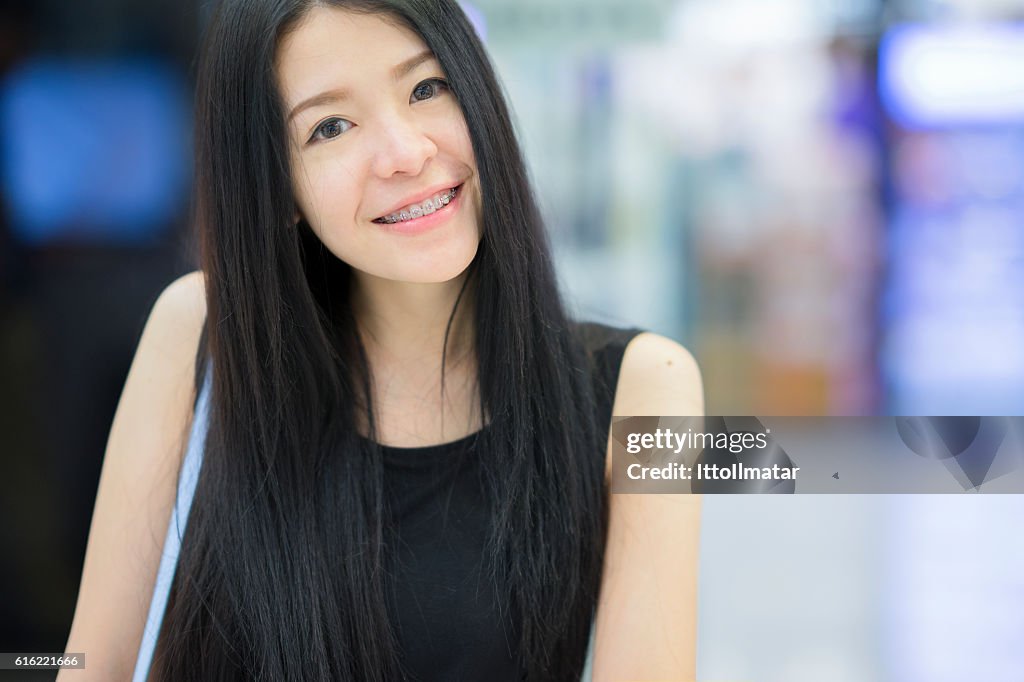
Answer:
(335, 49)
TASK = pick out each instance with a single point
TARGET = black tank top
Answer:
(442, 603)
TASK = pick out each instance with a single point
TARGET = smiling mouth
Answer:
(426, 207)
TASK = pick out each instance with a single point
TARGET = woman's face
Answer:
(381, 158)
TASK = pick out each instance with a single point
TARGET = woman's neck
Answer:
(405, 323)
(402, 326)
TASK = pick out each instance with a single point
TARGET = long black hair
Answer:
(281, 574)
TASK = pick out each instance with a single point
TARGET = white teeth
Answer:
(419, 210)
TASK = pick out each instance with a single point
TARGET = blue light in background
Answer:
(933, 76)
(953, 318)
(93, 152)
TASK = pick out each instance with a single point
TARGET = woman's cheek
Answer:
(337, 201)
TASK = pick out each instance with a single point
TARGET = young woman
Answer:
(405, 466)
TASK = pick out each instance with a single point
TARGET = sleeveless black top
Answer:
(442, 602)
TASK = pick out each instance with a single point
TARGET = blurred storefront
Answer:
(713, 174)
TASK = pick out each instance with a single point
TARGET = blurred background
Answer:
(822, 199)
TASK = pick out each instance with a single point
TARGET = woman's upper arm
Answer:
(647, 611)
(137, 486)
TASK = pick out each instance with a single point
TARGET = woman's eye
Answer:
(429, 89)
(330, 128)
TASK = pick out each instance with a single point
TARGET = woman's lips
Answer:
(417, 225)
(426, 206)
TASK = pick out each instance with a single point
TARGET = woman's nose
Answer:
(403, 147)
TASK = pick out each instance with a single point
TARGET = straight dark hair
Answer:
(281, 574)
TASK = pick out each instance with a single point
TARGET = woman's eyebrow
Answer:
(326, 97)
(340, 94)
(408, 65)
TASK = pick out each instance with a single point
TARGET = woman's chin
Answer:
(426, 271)
(438, 275)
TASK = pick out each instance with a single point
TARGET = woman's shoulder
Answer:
(185, 296)
(642, 350)
(658, 376)
(177, 321)
(638, 372)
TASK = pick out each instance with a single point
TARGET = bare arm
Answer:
(137, 486)
(647, 612)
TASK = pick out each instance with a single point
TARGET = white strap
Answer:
(175, 530)
(588, 667)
